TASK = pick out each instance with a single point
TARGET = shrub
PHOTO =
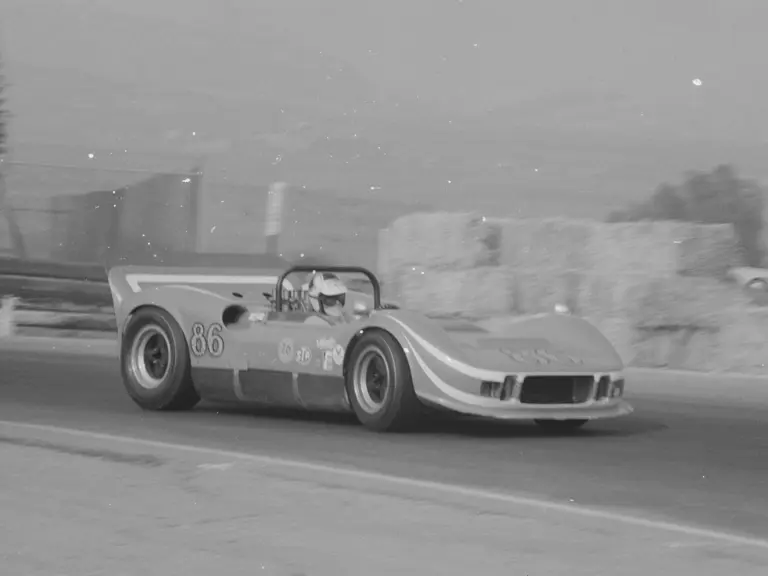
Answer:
(716, 197)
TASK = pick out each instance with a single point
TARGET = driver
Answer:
(327, 294)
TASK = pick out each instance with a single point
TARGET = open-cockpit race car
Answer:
(251, 338)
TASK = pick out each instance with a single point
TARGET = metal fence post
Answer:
(275, 198)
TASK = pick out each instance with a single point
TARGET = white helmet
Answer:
(327, 294)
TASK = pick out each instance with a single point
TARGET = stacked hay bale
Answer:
(597, 270)
(709, 251)
(444, 264)
(547, 260)
(655, 288)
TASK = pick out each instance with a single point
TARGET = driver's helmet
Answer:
(327, 294)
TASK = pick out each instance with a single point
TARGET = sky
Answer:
(465, 55)
(297, 72)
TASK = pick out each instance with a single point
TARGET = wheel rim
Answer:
(150, 357)
(371, 380)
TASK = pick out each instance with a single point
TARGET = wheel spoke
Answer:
(150, 356)
(371, 380)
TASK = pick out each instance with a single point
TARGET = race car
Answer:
(249, 338)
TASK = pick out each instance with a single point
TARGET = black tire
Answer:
(396, 408)
(172, 387)
(560, 426)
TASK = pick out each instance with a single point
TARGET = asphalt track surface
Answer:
(702, 462)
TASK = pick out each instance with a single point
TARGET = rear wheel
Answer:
(379, 384)
(154, 361)
(560, 425)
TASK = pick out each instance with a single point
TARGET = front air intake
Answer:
(556, 389)
(500, 390)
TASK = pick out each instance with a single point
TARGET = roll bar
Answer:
(335, 270)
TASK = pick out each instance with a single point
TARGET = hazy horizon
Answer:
(549, 95)
(466, 55)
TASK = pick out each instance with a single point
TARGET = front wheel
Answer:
(154, 361)
(379, 384)
(560, 425)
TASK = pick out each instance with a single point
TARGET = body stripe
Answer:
(461, 367)
(447, 389)
(135, 280)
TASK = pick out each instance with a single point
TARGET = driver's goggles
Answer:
(331, 301)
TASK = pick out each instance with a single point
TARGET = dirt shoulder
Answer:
(82, 505)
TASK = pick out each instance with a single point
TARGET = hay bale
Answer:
(742, 341)
(679, 303)
(709, 251)
(383, 260)
(531, 243)
(584, 245)
(471, 293)
(534, 291)
(609, 295)
(441, 241)
(649, 248)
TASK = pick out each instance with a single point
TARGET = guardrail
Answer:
(75, 296)
(53, 270)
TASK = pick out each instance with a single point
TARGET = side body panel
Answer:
(290, 359)
(293, 360)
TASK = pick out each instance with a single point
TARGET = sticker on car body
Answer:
(539, 356)
(338, 354)
(327, 360)
(206, 341)
(304, 355)
(285, 350)
(326, 343)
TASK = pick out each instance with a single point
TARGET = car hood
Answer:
(544, 343)
(526, 354)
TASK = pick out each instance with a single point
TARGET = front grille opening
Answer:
(603, 387)
(498, 390)
(556, 389)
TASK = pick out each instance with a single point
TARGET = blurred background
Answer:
(145, 131)
(517, 107)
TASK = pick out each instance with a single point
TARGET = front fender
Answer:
(399, 323)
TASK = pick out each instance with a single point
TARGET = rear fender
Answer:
(176, 299)
(126, 305)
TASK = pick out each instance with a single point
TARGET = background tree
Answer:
(716, 197)
(13, 226)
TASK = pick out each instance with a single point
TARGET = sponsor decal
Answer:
(206, 341)
(326, 343)
(327, 360)
(304, 355)
(540, 356)
(338, 354)
(285, 350)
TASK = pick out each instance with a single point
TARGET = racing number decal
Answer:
(204, 341)
(542, 357)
